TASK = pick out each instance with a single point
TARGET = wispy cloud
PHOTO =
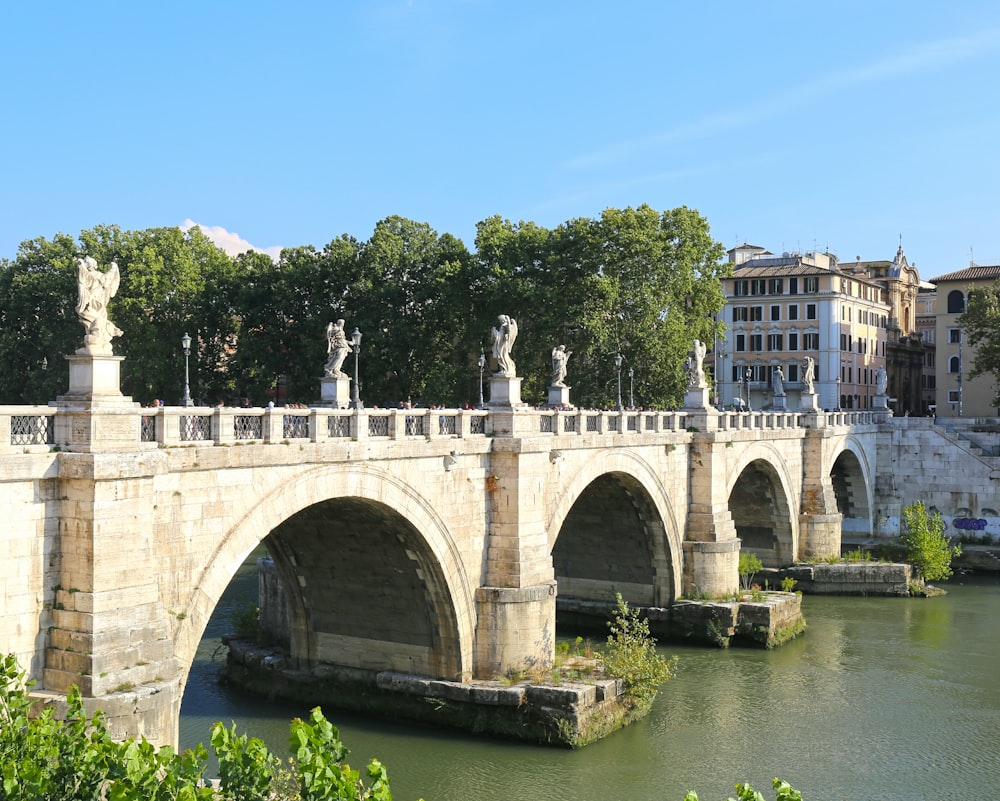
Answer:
(229, 241)
(924, 57)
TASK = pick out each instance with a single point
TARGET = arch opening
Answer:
(363, 590)
(851, 493)
(762, 516)
(613, 540)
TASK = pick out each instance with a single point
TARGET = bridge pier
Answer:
(820, 520)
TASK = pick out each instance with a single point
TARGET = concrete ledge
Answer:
(573, 713)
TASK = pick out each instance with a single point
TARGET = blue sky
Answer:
(798, 125)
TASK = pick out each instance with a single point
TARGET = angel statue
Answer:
(503, 340)
(96, 289)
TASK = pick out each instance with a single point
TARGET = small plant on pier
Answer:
(750, 566)
(630, 655)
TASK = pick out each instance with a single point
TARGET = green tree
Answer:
(927, 548)
(635, 281)
(981, 324)
(38, 322)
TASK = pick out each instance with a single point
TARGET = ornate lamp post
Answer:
(482, 366)
(631, 397)
(748, 375)
(356, 391)
(186, 344)
(837, 399)
(618, 370)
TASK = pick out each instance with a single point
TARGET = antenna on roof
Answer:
(972, 259)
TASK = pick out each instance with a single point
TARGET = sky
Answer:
(843, 126)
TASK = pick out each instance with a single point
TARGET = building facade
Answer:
(957, 394)
(781, 309)
(906, 350)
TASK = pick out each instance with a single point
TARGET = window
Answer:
(954, 335)
(756, 313)
(843, 341)
(793, 341)
(931, 382)
(793, 371)
(810, 341)
(954, 365)
(740, 314)
(775, 341)
(956, 302)
(774, 286)
(952, 396)
(757, 342)
(812, 284)
(775, 313)
(810, 311)
(793, 311)
(758, 286)
(741, 288)
(741, 342)
(793, 286)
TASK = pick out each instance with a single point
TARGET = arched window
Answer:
(954, 364)
(956, 302)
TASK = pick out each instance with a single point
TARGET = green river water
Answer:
(882, 698)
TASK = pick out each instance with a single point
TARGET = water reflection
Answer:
(881, 699)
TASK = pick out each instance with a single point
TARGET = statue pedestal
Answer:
(505, 392)
(559, 397)
(696, 398)
(880, 402)
(779, 403)
(94, 378)
(809, 403)
(334, 393)
(94, 416)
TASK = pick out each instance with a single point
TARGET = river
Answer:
(881, 699)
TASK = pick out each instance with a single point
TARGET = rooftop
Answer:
(977, 272)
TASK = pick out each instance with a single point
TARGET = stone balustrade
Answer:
(32, 429)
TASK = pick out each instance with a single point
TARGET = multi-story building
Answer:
(780, 309)
(906, 351)
(926, 329)
(957, 394)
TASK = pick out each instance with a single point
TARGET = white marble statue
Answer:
(96, 289)
(503, 340)
(695, 365)
(808, 375)
(559, 358)
(881, 381)
(778, 382)
(337, 348)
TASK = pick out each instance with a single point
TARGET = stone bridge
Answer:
(430, 541)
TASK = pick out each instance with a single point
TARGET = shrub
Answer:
(927, 548)
(750, 566)
(630, 655)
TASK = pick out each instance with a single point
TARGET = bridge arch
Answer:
(762, 503)
(615, 490)
(850, 475)
(355, 495)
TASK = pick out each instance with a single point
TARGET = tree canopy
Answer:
(633, 281)
(981, 323)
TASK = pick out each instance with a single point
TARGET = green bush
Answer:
(630, 655)
(75, 759)
(927, 548)
(750, 566)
